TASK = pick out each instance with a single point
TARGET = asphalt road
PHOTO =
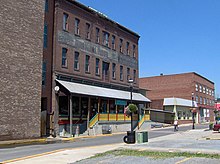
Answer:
(23, 151)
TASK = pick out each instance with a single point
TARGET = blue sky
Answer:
(177, 36)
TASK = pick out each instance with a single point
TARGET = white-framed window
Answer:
(207, 91)
(200, 88)
(200, 100)
(77, 21)
(204, 101)
(76, 61)
(197, 98)
(65, 21)
(204, 89)
(105, 38)
(196, 86)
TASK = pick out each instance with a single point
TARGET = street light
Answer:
(193, 119)
(131, 90)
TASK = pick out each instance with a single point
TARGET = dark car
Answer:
(216, 127)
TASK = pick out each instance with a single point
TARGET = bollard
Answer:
(130, 138)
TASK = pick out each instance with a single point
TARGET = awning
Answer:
(179, 102)
(101, 92)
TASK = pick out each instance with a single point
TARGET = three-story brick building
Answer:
(91, 59)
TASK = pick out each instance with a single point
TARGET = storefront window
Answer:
(103, 107)
(112, 107)
(84, 106)
(76, 110)
(63, 105)
(94, 107)
(121, 108)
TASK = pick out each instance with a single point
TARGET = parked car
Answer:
(216, 127)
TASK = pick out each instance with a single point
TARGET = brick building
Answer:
(21, 43)
(89, 58)
(182, 86)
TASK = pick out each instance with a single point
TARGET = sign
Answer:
(120, 102)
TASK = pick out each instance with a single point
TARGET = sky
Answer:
(176, 36)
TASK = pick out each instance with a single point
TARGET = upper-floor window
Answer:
(46, 6)
(44, 73)
(197, 98)
(64, 57)
(207, 91)
(77, 21)
(45, 35)
(204, 89)
(76, 61)
(127, 48)
(113, 42)
(134, 51)
(213, 93)
(97, 66)
(200, 100)
(121, 73)
(197, 88)
(134, 75)
(121, 45)
(210, 92)
(97, 35)
(204, 101)
(87, 31)
(200, 88)
(87, 63)
(105, 38)
(113, 71)
(65, 21)
(128, 74)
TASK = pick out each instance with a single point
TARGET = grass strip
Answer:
(156, 154)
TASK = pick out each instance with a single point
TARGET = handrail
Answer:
(141, 121)
(93, 121)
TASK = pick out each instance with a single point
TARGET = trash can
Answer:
(145, 136)
(139, 137)
(130, 138)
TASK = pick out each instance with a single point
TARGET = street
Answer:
(29, 150)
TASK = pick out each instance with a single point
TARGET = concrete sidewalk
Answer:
(191, 141)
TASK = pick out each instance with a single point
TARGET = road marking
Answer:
(183, 160)
(55, 151)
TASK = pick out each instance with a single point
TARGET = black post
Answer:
(131, 89)
(193, 118)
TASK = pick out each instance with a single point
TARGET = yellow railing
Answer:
(141, 121)
(93, 121)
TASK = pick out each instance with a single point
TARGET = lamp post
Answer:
(131, 90)
(193, 118)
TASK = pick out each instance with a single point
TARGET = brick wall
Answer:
(21, 26)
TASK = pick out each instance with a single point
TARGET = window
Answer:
(212, 93)
(45, 35)
(204, 101)
(200, 100)
(200, 88)
(197, 99)
(64, 57)
(204, 89)
(97, 67)
(121, 73)
(207, 91)
(127, 48)
(87, 31)
(106, 39)
(134, 75)
(77, 21)
(113, 70)
(121, 45)
(87, 63)
(76, 61)
(113, 42)
(97, 35)
(134, 49)
(44, 73)
(128, 74)
(65, 22)
(197, 89)
(46, 6)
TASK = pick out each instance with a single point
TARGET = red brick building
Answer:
(90, 58)
(182, 86)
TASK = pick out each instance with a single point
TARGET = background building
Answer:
(91, 59)
(182, 86)
(21, 48)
